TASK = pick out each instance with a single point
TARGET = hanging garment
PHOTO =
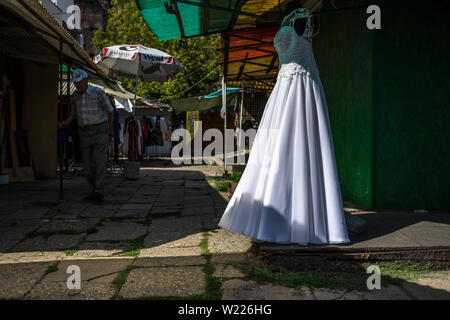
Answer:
(133, 133)
(289, 191)
(148, 140)
(157, 133)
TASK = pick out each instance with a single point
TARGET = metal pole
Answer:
(68, 108)
(224, 107)
(240, 117)
(135, 93)
(61, 193)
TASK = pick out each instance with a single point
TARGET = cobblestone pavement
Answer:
(152, 237)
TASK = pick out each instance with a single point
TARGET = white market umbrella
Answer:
(139, 63)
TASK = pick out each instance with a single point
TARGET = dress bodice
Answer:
(295, 52)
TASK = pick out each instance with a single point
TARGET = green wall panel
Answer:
(412, 106)
(343, 52)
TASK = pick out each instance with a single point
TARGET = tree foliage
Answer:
(201, 59)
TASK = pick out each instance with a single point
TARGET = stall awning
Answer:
(28, 31)
(175, 19)
(247, 29)
(249, 55)
(218, 93)
(202, 103)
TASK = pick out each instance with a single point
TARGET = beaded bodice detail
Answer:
(295, 54)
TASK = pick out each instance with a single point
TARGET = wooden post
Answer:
(12, 130)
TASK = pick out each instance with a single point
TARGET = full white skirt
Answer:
(289, 191)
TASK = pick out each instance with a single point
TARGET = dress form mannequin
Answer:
(300, 23)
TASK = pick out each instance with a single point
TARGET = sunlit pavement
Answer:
(158, 237)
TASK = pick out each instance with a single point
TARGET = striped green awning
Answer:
(177, 19)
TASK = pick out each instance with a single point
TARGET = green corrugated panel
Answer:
(165, 25)
(218, 19)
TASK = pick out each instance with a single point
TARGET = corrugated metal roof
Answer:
(36, 36)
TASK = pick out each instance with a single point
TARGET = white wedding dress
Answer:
(289, 191)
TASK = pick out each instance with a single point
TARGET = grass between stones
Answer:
(351, 279)
(72, 251)
(52, 268)
(137, 245)
(213, 289)
(119, 281)
(221, 183)
(204, 245)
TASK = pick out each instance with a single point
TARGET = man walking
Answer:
(94, 113)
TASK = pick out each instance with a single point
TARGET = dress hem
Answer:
(286, 242)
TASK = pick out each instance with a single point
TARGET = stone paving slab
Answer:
(169, 201)
(428, 233)
(132, 214)
(136, 206)
(434, 287)
(187, 225)
(227, 271)
(196, 193)
(18, 278)
(172, 261)
(53, 243)
(96, 278)
(196, 184)
(394, 239)
(117, 197)
(142, 199)
(249, 290)
(100, 211)
(197, 211)
(100, 249)
(328, 294)
(197, 202)
(163, 210)
(178, 182)
(230, 257)
(125, 191)
(31, 213)
(211, 222)
(164, 251)
(77, 225)
(6, 210)
(390, 292)
(16, 231)
(173, 239)
(7, 244)
(30, 257)
(149, 191)
(222, 241)
(118, 231)
(71, 207)
(98, 289)
(90, 268)
(164, 281)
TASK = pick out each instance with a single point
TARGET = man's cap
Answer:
(78, 75)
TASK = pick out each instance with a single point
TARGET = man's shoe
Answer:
(90, 197)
